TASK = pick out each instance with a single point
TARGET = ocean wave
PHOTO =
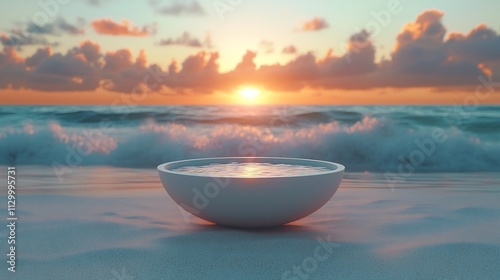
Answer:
(370, 144)
(483, 119)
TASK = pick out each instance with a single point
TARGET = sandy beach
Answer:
(119, 223)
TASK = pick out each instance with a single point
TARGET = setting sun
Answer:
(250, 93)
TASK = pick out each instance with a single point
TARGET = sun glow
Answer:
(250, 93)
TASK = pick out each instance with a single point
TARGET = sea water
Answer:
(402, 140)
(251, 169)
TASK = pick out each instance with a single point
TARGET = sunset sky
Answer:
(249, 52)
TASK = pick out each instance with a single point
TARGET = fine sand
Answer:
(114, 223)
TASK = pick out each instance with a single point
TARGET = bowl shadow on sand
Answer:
(213, 251)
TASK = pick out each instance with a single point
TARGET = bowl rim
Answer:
(338, 167)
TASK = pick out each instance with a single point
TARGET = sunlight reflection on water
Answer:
(251, 170)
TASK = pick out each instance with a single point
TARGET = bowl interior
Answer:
(329, 166)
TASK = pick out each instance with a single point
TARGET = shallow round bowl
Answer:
(251, 201)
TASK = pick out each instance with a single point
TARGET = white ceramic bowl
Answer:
(251, 202)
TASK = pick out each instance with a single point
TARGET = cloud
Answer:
(121, 73)
(69, 72)
(178, 8)
(39, 56)
(247, 65)
(109, 27)
(289, 50)
(12, 70)
(10, 56)
(89, 50)
(119, 60)
(292, 76)
(314, 24)
(68, 65)
(199, 71)
(267, 47)
(184, 40)
(30, 34)
(18, 40)
(424, 55)
(480, 44)
(58, 27)
(48, 71)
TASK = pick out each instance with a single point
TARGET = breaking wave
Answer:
(376, 144)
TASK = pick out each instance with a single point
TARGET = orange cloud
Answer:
(109, 27)
(422, 58)
(314, 25)
(427, 28)
(10, 55)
